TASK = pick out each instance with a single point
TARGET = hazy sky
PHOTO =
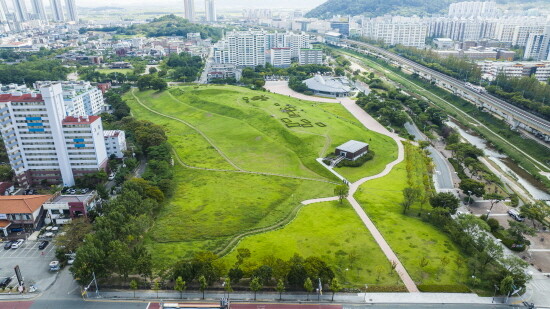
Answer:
(199, 4)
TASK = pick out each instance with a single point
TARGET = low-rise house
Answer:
(62, 208)
(21, 212)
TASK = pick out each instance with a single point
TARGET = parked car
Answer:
(54, 266)
(7, 244)
(111, 177)
(4, 282)
(17, 244)
(72, 191)
(43, 245)
(515, 214)
(84, 191)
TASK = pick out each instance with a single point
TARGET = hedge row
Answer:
(447, 288)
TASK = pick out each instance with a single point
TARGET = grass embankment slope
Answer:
(411, 238)
(212, 207)
(336, 234)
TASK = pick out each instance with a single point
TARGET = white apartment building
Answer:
(516, 30)
(45, 145)
(80, 97)
(252, 48)
(115, 143)
(490, 69)
(280, 57)
(473, 9)
(396, 30)
(246, 48)
(296, 42)
(85, 144)
(538, 46)
(210, 9)
(72, 14)
(57, 10)
(461, 29)
(189, 7)
(310, 56)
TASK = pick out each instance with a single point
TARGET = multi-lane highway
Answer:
(514, 115)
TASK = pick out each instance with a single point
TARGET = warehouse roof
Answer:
(352, 146)
(328, 84)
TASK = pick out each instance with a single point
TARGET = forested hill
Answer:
(373, 8)
(168, 25)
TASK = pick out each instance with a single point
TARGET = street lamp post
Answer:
(494, 295)
(469, 197)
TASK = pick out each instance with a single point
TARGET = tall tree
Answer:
(203, 284)
(134, 286)
(446, 201)
(308, 286)
(410, 195)
(342, 192)
(335, 287)
(280, 288)
(227, 286)
(255, 286)
(180, 286)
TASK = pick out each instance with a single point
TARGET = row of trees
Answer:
(113, 242)
(205, 269)
(525, 92)
(460, 68)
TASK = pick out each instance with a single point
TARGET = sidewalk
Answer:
(357, 298)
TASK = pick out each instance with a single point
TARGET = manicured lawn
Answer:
(409, 237)
(109, 71)
(331, 231)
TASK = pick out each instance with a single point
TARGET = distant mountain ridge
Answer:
(373, 8)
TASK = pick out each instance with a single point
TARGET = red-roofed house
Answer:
(21, 211)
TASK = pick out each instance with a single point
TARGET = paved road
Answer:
(443, 175)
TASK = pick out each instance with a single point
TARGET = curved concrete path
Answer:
(281, 87)
(372, 124)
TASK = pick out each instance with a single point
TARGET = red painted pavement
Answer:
(153, 306)
(16, 305)
(283, 306)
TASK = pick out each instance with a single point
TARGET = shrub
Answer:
(386, 288)
(448, 288)
(357, 163)
(493, 224)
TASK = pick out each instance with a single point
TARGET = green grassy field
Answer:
(410, 237)
(329, 230)
(108, 71)
(211, 207)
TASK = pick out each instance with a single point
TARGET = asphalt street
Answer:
(443, 176)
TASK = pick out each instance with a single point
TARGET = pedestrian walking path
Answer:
(370, 123)
(281, 87)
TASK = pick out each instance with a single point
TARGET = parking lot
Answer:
(33, 263)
